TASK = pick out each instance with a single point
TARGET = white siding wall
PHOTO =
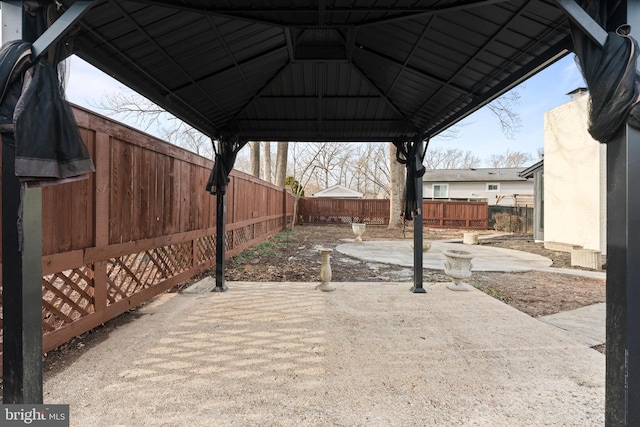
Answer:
(478, 190)
(575, 179)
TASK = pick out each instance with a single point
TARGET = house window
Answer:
(493, 186)
(440, 191)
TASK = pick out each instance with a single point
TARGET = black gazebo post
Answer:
(417, 227)
(622, 395)
(221, 218)
(22, 237)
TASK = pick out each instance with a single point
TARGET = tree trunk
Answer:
(254, 158)
(281, 163)
(396, 178)
(266, 161)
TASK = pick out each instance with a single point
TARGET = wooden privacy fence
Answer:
(450, 214)
(141, 224)
(443, 214)
(343, 211)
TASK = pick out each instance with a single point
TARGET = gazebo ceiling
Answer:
(322, 70)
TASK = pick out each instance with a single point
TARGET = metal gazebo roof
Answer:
(322, 70)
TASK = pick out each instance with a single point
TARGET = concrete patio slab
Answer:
(283, 354)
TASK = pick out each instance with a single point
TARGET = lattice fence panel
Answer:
(260, 229)
(66, 297)
(130, 274)
(228, 240)
(241, 236)
(478, 224)
(206, 248)
(454, 223)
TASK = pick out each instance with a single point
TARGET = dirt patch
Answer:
(293, 256)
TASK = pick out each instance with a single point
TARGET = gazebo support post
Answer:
(221, 218)
(417, 229)
(623, 244)
(22, 270)
(623, 280)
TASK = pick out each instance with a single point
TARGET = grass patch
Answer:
(265, 249)
(491, 292)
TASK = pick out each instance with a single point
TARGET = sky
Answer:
(479, 133)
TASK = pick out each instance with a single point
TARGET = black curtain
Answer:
(610, 74)
(225, 158)
(406, 153)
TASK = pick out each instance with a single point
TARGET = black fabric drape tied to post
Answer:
(36, 120)
(610, 74)
(225, 158)
(406, 154)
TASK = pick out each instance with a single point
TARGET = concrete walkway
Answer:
(374, 354)
(485, 258)
(586, 325)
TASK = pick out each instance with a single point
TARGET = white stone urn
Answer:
(358, 229)
(325, 271)
(458, 267)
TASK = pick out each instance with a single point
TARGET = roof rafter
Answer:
(164, 53)
(244, 63)
(377, 89)
(542, 61)
(260, 91)
(414, 13)
(226, 48)
(472, 58)
(209, 130)
(410, 56)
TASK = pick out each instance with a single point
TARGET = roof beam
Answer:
(259, 93)
(225, 45)
(245, 13)
(60, 27)
(405, 64)
(289, 38)
(422, 12)
(583, 20)
(246, 62)
(428, 76)
(377, 89)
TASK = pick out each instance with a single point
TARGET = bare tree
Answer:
(254, 158)
(397, 178)
(281, 163)
(266, 161)
(504, 109)
(510, 159)
(132, 108)
(451, 158)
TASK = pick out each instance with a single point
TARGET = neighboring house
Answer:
(339, 191)
(496, 186)
(574, 179)
(536, 172)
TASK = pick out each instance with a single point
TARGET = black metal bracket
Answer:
(582, 19)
